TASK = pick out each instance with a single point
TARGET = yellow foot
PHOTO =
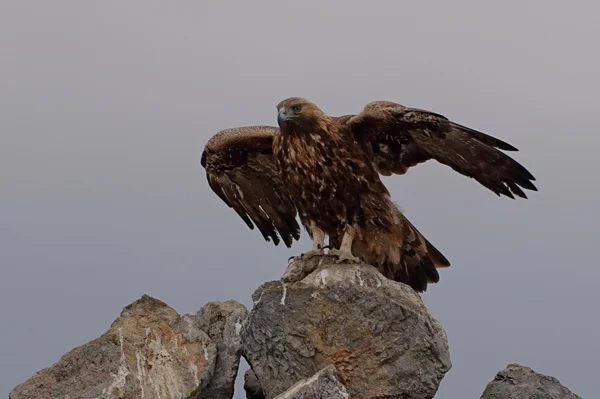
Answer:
(344, 256)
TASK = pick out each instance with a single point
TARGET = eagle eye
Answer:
(296, 108)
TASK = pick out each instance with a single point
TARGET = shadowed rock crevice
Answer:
(252, 386)
(223, 323)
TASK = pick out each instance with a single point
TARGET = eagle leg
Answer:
(344, 254)
(318, 247)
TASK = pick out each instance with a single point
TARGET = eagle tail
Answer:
(404, 255)
(419, 259)
(414, 239)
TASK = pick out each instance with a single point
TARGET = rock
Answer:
(149, 351)
(323, 385)
(520, 382)
(223, 322)
(252, 386)
(297, 270)
(377, 333)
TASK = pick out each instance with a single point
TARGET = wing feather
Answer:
(241, 170)
(399, 138)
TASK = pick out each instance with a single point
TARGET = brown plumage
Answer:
(419, 259)
(241, 170)
(399, 138)
(327, 169)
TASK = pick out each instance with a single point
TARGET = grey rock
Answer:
(520, 382)
(149, 351)
(377, 333)
(297, 270)
(223, 322)
(323, 385)
(252, 386)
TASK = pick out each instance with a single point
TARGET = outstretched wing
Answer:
(398, 138)
(241, 170)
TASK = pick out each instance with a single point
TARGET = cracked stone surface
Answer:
(222, 321)
(323, 385)
(377, 333)
(149, 351)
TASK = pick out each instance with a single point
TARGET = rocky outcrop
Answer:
(223, 323)
(520, 382)
(325, 330)
(149, 351)
(325, 384)
(377, 333)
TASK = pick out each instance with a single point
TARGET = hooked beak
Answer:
(282, 116)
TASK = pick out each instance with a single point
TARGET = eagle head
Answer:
(296, 113)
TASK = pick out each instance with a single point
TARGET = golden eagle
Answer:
(327, 170)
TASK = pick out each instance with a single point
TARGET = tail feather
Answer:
(438, 259)
(415, 271)
(414, 260)
(419, 259)
(419, 241)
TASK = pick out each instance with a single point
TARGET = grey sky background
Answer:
(106, 106)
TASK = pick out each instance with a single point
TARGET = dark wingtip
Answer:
(495, 142)
(295, 235)
(248, 222)
(287, 239)
(528, 185)
(506, 147)
(273, 237)
(485, 138)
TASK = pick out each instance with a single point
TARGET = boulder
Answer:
(520, 382)
(377, 333)
(222, 321)
(149, 351)
(323, 385)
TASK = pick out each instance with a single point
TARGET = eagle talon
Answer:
(295, 258)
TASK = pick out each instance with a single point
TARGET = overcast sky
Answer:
(105, 108)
